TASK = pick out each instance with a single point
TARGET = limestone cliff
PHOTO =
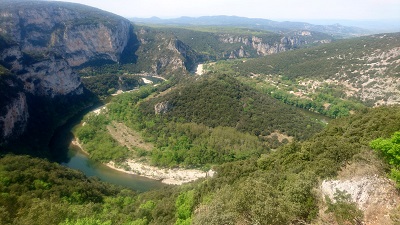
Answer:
(42, 42)
(268, 45)
(47, 39)
(163, 53)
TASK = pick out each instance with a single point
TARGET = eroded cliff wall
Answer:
(42, 42)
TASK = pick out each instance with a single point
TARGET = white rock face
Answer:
(375, 196)
(262, 47)
(364, 190)
(162, 107)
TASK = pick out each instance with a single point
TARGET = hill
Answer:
(222, 100)
(362, 70)
(201, 122)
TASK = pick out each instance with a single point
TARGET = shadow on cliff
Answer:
(48, 132)
(129, 53)
(61, 140)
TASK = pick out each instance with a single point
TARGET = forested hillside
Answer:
(205, 121)
(221, 100)
(276, 188)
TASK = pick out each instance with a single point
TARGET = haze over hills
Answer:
(336, 30)
(374, 26)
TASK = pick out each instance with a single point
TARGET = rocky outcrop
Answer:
(42, 42)
(162, 107)
(374, 195)
(170, 55)
(50, 78)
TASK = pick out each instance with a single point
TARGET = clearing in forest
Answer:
(128, 137)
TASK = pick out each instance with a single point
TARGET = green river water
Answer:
(71, 156)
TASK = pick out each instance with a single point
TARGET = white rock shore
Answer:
(176, 176)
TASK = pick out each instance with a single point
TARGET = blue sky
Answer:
(298, 10)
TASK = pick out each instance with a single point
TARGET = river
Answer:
(71, 156)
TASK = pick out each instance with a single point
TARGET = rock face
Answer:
(171, 54)
(46, 39)
(374, 195)
(162, 107)
(268, 46)
(42, 42)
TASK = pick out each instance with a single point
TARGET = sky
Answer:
(295, 10)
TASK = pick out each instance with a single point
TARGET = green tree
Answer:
(344, 210)
(184, 206)
(390, 150)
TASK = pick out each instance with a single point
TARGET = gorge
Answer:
(284, 113)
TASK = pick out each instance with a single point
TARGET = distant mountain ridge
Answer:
(336, 30)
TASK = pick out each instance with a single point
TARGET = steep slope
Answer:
(278, 188)
(156, 53)
(41, 45)
(161, 52)
(50, 38)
